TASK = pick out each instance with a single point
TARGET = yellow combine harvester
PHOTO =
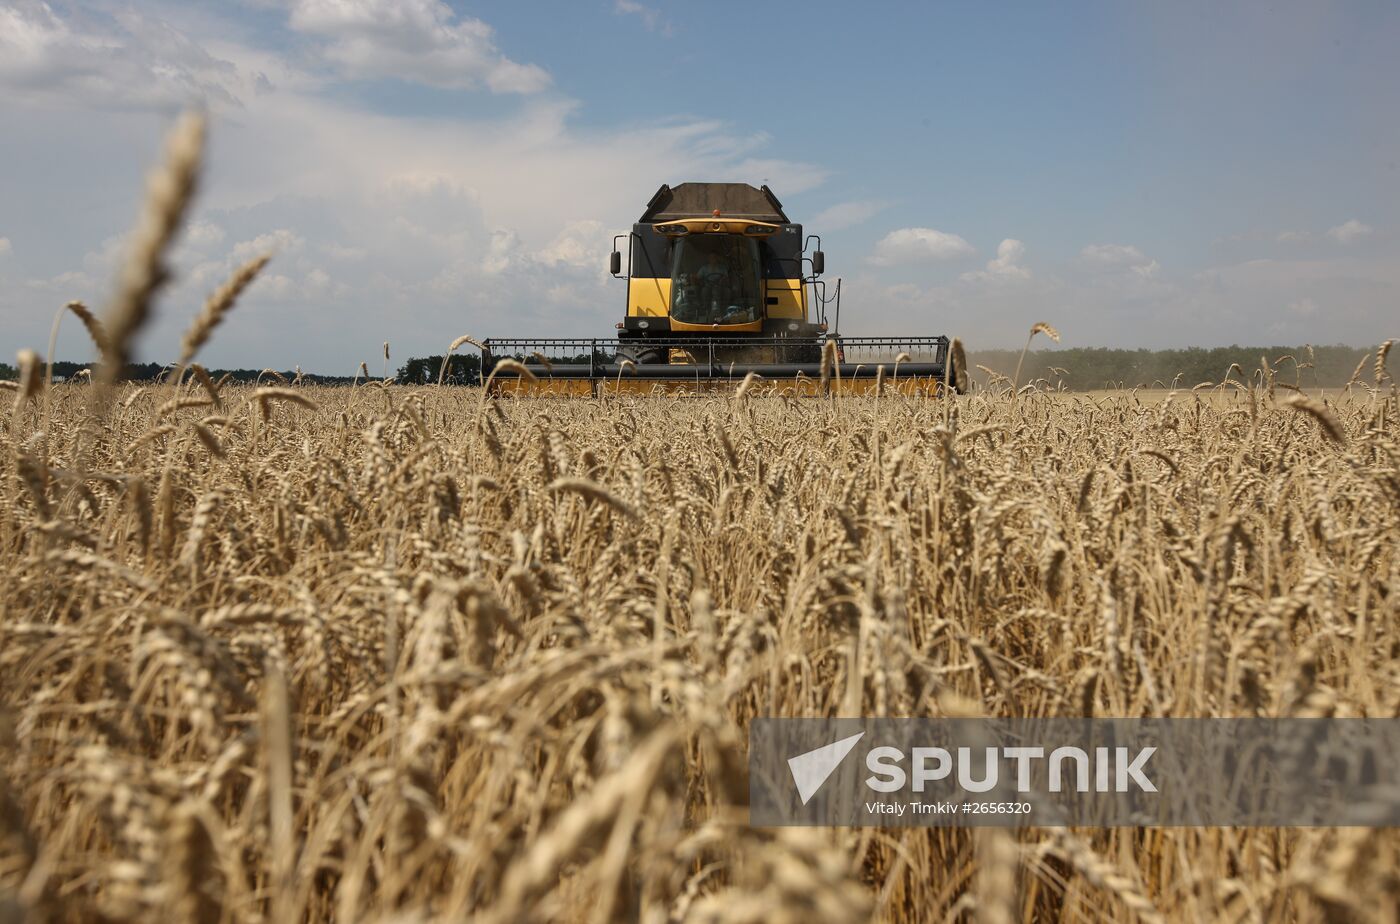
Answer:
(720, 284)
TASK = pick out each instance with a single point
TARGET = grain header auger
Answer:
(720, 284)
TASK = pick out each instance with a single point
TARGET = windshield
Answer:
(716, 279)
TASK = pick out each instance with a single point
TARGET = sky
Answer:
(1138, 175)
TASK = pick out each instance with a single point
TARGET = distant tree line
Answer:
(1078, 369)
(465, 369)
(1085, 368)
(149, 372)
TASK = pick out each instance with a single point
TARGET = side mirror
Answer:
(615, 264)
(818, 263)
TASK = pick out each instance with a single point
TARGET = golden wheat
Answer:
(416, 653)
(504, 704)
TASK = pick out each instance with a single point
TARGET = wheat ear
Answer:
(218, 305)
(169, 193)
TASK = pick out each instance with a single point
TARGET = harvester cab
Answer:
(721, 284)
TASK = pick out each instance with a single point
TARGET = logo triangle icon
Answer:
(811, 770)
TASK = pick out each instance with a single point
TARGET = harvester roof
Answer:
(699, 200)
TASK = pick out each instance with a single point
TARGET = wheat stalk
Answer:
(452, 348)
(266, 395)
(91, 324)
(1040, 327)
(169, 192)
(1331, 426)
(31, 377)
(217, 305)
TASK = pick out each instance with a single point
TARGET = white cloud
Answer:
(428, 186)
(99, 267)
(1121, 259)
(1345, 299)
(419, 40)
(503, 251)
(844, 215)
(580, 244)
(1005, 268)
(1113, 254)
(919, 245)
(203, 234)
(1349, 231)
(209, 267)
(341, 252)
(650, 16)
(124, 60)
(1344, 233)
(5, 246)
(279, 242)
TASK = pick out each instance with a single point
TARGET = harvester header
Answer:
(721, 284)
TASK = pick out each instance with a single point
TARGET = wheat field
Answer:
(384, 653)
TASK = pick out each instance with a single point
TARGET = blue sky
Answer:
(1138, 175)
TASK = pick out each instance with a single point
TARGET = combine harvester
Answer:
(720, 285)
